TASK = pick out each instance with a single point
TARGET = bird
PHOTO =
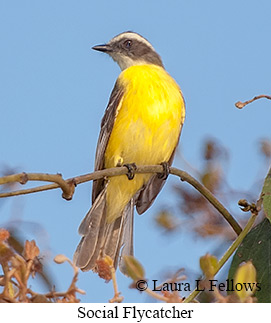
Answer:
(141, 126)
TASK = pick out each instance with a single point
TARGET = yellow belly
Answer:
(146, 129)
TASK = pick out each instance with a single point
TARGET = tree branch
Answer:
(22, 178)
(68, 185)
(240, 104)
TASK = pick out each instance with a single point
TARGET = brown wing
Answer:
(106, 129)
(149, 192)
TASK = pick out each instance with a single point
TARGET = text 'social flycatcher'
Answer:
(141, 125)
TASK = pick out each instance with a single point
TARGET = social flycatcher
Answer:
(141, 125)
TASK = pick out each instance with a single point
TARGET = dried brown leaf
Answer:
(31, 251)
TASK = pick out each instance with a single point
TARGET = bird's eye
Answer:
(128, 44)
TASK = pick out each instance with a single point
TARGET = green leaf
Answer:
(256, 247)
(133, 268)
(266, 195)
(208, 265)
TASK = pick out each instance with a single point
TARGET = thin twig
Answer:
(240, 104)
(122, 171)
(209, 196)
(117, 298)
(156, 295)
(50, 178)
(22, 178)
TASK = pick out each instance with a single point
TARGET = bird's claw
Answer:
(131, 170)
(165, 173)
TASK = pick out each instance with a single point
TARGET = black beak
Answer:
(103, 48)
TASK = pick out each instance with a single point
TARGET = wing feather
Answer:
(105, 132)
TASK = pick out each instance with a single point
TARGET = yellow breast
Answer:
(146, 129)
(147, 125)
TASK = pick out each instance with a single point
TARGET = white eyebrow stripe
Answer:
(131, 36)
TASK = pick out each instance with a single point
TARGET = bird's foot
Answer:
(131, 170)
(165, 173)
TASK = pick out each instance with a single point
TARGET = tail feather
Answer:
(91, 228)
(127, 238)
(111, 240)
(101, 238)
(121, 237)
(93, 217)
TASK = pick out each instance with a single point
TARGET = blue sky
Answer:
(54, 90)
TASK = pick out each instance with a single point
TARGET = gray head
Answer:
(129, 49)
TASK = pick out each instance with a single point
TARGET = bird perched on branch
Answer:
(141, 126)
